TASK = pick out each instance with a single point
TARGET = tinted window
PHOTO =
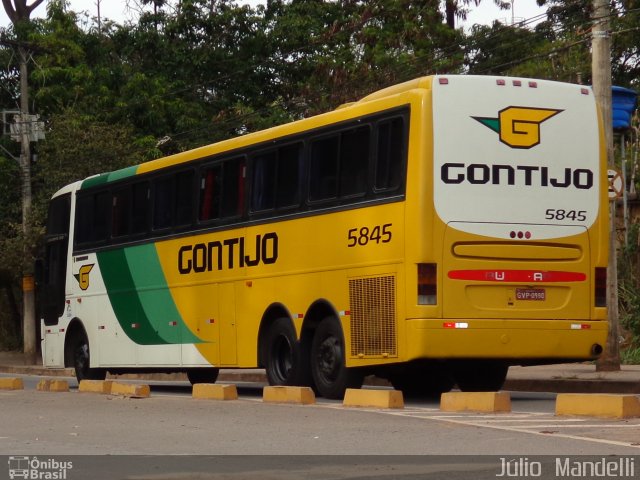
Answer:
(276, 178)
(163, 203)
(390, 154)
(101, 216)
(140, 208)
(120, 213)
(289, 175)
(323, 182)
(210, 193)
(58, 219)
(264, 190)
(233, 188)
(354, 161)
(184, 198)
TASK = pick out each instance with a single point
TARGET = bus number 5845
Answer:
(363, 235)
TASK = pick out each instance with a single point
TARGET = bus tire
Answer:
(81, 358)
(330, 374)
(284, 359)
(202, 375)
(479, 376)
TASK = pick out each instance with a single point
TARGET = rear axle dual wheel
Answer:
(330, 374)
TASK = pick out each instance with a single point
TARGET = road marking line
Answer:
(538, 419)
(555, 435)
(574, 426)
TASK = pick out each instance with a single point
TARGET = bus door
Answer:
(52, 281)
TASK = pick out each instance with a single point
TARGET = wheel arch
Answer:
(271, 314)
(317, 311)
(75, 327)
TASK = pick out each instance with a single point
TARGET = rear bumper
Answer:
(504, 339)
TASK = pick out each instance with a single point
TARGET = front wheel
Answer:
(330, 374)
(82, 359)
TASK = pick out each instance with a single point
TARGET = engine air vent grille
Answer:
(373, 316)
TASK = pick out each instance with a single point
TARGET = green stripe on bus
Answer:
(124, 298)
(154, 295)
(109, 177)
(94, 181)
(123, 173)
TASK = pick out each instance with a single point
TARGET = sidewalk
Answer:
(560, 378)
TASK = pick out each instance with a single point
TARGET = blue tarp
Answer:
(624, 102)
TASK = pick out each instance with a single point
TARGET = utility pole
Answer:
(601, 73)
(28, 290)
(99, 17)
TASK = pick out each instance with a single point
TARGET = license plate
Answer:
(530, 294)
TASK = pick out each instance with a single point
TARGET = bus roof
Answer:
(251, 138)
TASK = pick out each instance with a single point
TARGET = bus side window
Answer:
(101, 216)
(276, 178)
(390, 153)
(354, 161)
(184, 198)
(120, 213)
(323, 176)
(210, 193)
(289, 175)
(163, 203)
(263, 192)
(233, 187)
(84, 220)
(140, 208)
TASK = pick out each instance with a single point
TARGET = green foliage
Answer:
(78, 146)
(630, 356)
(629, 287)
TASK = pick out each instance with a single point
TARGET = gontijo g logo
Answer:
(83, 276)
(519, 127)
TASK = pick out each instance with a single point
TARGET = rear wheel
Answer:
(81, 358)
(202, 375)
(330, 375)
(284, 360)
(479, 376)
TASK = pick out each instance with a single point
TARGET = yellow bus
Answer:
(432, 233)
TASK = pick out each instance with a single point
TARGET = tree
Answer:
(457, 9)
(19, 12)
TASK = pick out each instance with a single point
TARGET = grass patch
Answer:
(630, 356)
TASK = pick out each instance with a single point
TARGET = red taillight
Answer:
(601, 287)
(427, 284)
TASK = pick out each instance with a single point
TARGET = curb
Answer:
(554, 385)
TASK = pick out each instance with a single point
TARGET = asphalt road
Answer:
(251, 439)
